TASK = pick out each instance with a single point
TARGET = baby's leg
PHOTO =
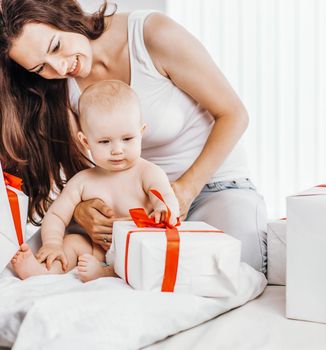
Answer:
(91, 267)
(26, 265)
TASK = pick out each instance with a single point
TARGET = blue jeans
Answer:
(239, 210)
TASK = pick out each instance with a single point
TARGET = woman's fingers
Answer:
(103, 239)
(93, 214)
(105, 246)
(123, 218)
(100, 206)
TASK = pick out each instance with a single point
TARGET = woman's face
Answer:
(52, 53)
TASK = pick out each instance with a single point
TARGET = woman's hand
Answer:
(185, 194)
(97, 220)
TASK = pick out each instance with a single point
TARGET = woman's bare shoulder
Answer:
(157, 28)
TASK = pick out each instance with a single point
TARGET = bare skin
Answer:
(25, 263)
(90, 264)
(208, 87)
(89, 268)
(114, 141)
(108, 58)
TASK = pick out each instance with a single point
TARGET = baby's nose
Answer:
(116, 149)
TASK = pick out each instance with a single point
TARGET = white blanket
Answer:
(60, 312)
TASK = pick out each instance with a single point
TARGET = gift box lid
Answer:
(185, 225)
(319, 190)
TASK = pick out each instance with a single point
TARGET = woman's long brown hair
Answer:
(35, 137)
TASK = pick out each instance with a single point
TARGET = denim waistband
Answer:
(242, 184)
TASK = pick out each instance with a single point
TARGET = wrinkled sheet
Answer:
(260, 324)
(60, 312)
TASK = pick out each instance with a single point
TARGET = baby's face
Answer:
(114, 136)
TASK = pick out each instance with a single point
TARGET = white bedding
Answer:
(60, 312)
(258, 325)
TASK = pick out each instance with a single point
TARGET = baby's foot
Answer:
(25, 264)
(89, 268)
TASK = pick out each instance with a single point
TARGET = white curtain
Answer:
(274, 54)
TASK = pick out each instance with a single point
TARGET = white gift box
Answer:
(208, 262)
(306, 255)
(8, 236)
(276, 252)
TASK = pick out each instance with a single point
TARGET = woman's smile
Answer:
(51, 53)
(75, 68)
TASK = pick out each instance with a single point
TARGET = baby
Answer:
(112, 129)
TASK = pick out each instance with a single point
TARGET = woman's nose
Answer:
(60, 65)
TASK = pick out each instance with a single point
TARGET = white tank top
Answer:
(177, 127)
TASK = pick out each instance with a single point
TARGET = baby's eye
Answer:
(104, 141)
(57, 47)
(127, 139)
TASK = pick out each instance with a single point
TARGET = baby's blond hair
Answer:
(110, 94)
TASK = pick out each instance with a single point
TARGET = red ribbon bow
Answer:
(141, 219)
(15, 182)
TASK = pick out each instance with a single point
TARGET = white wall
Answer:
(126, 5)
(130, 5)
(274, 53)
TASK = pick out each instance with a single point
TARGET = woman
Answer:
(51, 51)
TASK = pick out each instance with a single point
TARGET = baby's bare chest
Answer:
(119, 193)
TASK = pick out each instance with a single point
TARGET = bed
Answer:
(260, 324)
(58, 312)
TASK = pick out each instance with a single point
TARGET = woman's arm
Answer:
(183, 59)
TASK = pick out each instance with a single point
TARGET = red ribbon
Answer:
(141, 219)
(15, 182)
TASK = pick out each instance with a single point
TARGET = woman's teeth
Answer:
(74, 66)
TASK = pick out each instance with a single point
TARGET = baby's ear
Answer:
(143, 128)
(82, 139)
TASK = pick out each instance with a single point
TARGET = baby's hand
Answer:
(51, 252)
(160, 215)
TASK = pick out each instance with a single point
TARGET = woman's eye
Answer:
(57, 47)
(40, 69)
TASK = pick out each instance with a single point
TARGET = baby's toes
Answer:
(82, 275)
(82, 263)
(81, 268)
(84, 257)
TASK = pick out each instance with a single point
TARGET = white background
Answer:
(273, 52)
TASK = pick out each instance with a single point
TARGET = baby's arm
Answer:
(155, 178)
(57, 219)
